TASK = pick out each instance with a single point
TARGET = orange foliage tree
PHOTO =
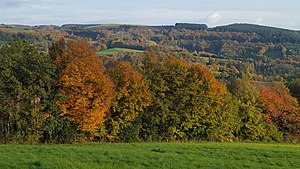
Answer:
(281, 108)
(85, 92)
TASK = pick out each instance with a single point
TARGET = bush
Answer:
(58, 130)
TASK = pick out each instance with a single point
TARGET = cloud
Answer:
(214, 17)
(4, 4)
(162, 16)
(259, 20)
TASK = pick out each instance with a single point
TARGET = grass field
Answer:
(152, 155)
(16, 30)
(111, 26)
(112, 51)
(276, 54)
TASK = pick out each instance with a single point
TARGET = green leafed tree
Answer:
(132, 98)
(26, 78)
(188, 102)
(252, 125)
(294, 87)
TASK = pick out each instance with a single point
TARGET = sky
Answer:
(277, 13)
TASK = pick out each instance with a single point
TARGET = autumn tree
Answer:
(188, 102)
(85, 91)
(132, 97)
(252, 125)
(281, 108)
(203, 106)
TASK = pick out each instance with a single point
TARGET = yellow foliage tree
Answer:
(133, 96)
(84, 89)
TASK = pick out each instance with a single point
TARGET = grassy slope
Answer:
(276, 54)
(111, 26)
(17, 30)
(112, 51)
(152, 155)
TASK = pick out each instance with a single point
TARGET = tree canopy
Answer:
(85, 92)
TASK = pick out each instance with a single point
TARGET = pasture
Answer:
(112, 51)
(275, 54)
(152, 155)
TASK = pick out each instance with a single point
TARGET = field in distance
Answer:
(112, 51)
(152, 155)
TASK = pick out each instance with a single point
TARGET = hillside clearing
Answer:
(112, 51)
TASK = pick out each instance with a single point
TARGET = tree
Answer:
(205, 111)
(58, 54)
(253, 125)
(85, 91)
(188, 102)
(281, 108)
(294, 87)
(26, 78)
(133, 96)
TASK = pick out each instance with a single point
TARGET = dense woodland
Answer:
(193, 83)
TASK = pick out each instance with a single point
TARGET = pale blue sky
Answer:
(279, 13)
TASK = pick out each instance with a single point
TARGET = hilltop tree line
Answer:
(73, 95)
(268, 34)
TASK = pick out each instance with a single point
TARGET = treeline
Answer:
(268, 34)
(72, 95)
(191, 26)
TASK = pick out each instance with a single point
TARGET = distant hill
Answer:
(269, 34)
(237, 41)
(270, 52)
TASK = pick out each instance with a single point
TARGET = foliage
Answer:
(58, 130)
(269, 34)
(133, 96)
(68, 95)
(58, 55)
(281, 108)
(84, 89)
(191, 26)
(294, 87)
(187, 102)
(26, 78)
(253, 126)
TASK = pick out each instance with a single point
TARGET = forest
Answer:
(190, 83)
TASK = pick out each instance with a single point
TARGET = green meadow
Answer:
(276, 54)
(17, 30)
(152, 155)
(112, 51)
